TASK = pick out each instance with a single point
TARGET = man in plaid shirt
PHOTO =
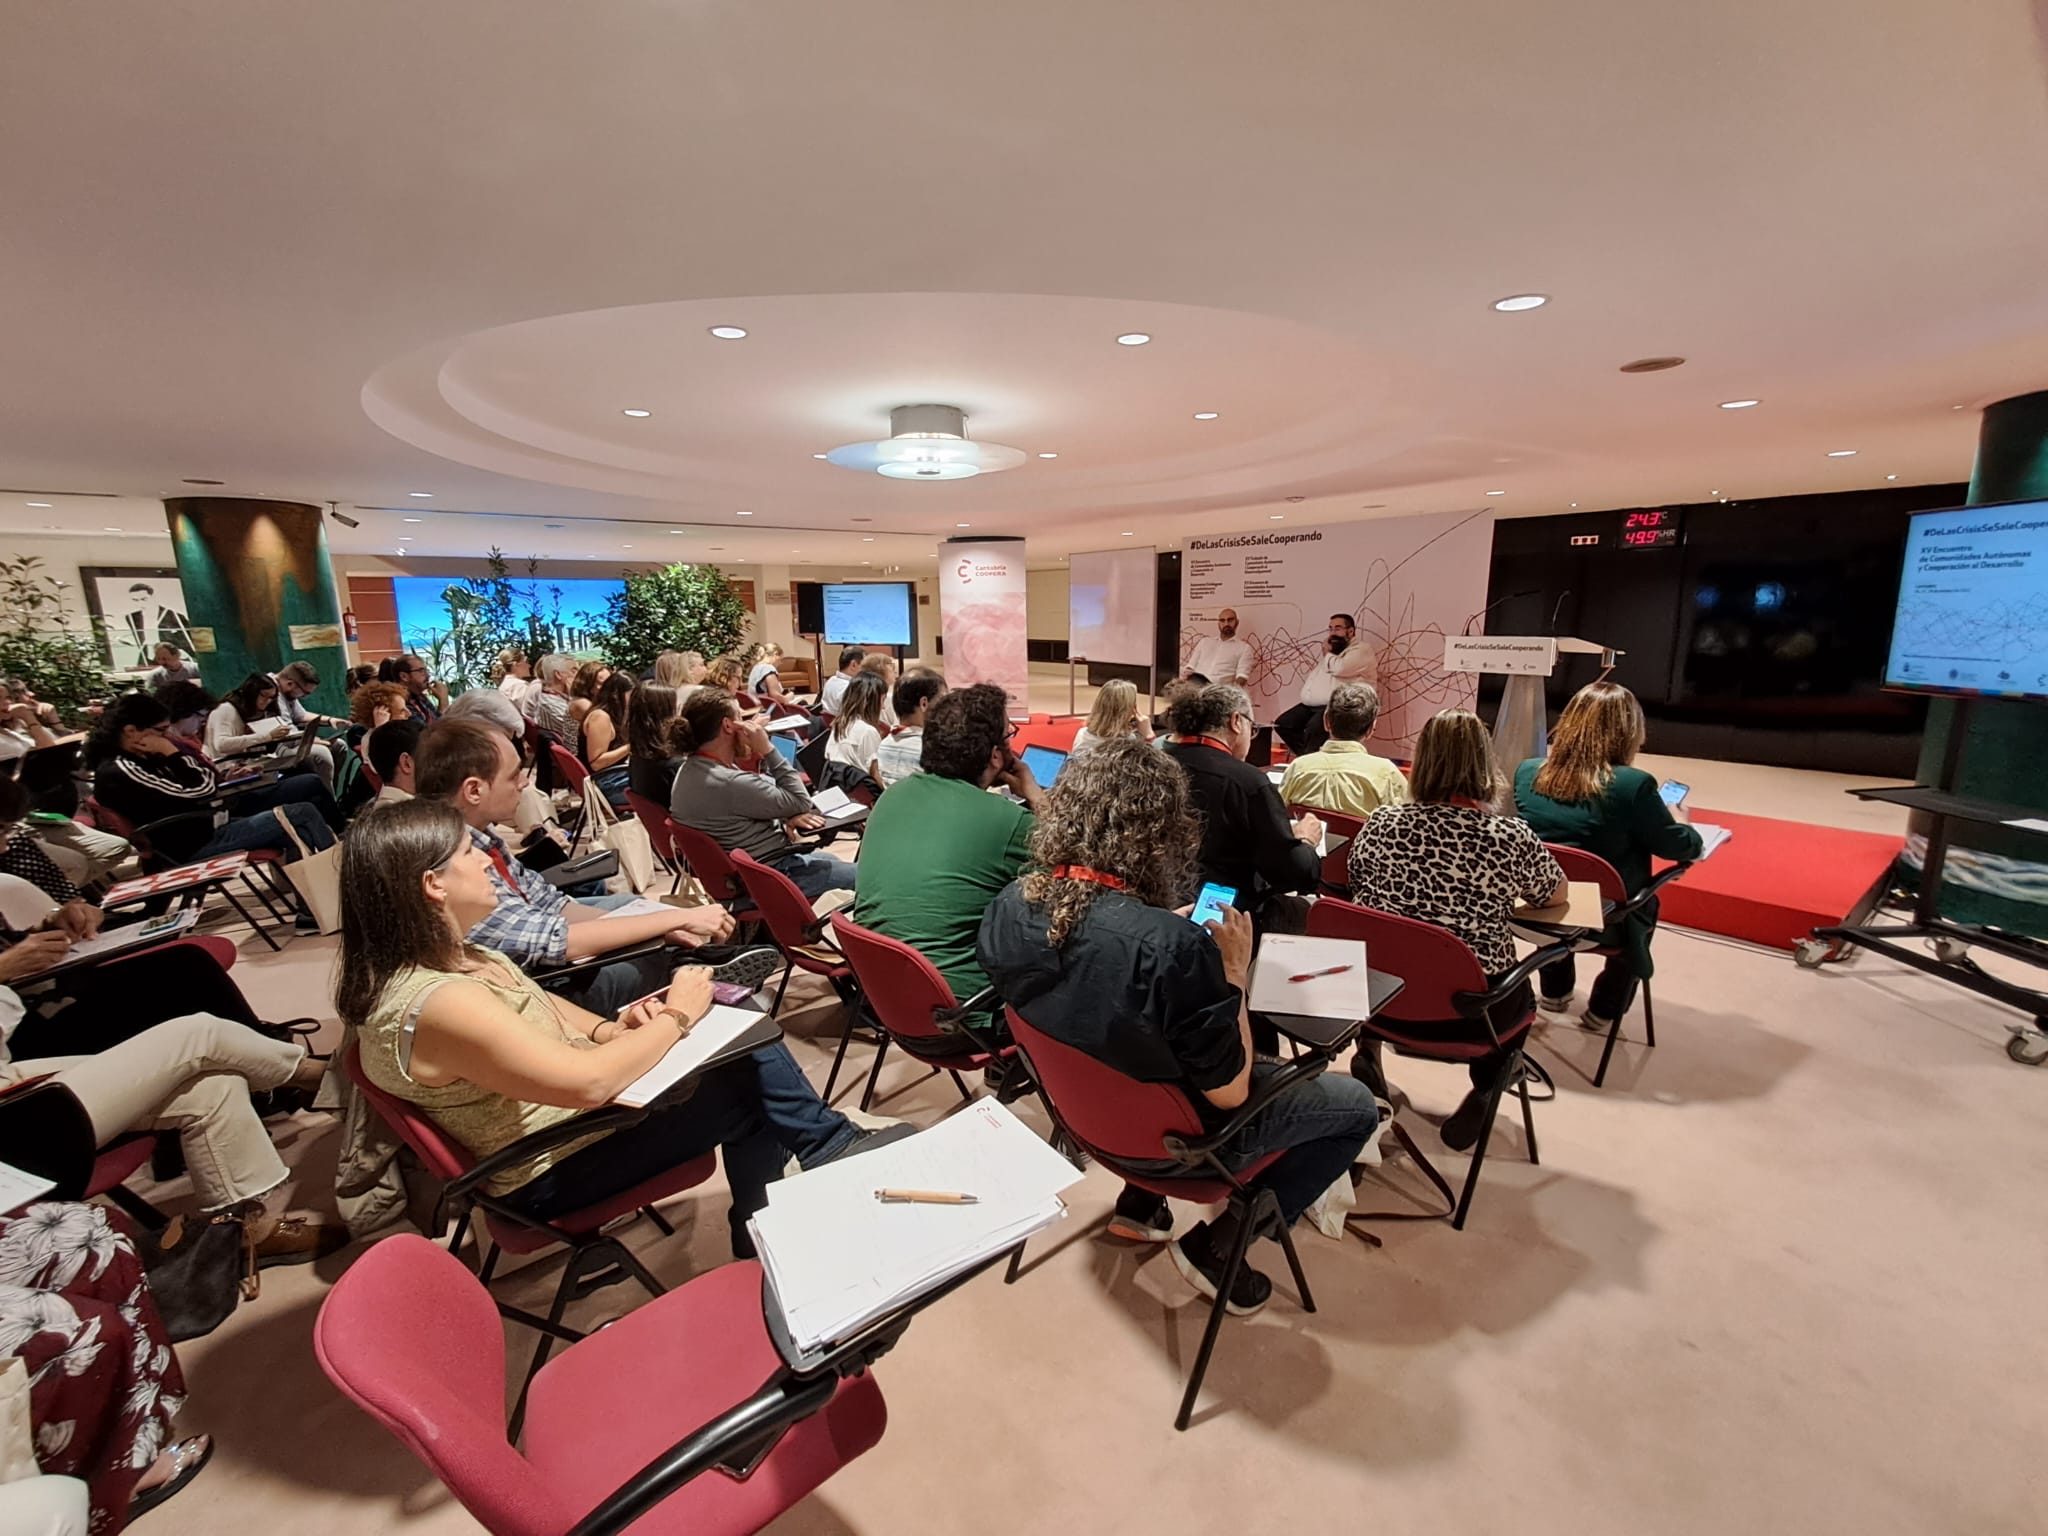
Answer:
(466, 764)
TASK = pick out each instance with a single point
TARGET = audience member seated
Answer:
(141, 774)
(1344, 660)
(604, 747)
(725, 672)
(875, 664)
(902, 751)
(758, 812)
(1344, 774)
(939, 848)
(102, 1380)
(23, 725)
(295, 682)
(1588, 794)
(536, 810)
(243, 722)
(356, 676)
(512, 674)
(834, 691)
(1114, 717)
(1446, 858)
(447, 1023)
(1221, 657)
(372, 705)
(391, 749)
(548, 705)
(1248, 843)
(652, 720)
(857, 727)
(172, 666)
(22, 856)
(764, 679)
(193, 1075)
(467, 765)
(50, 804)
(426, 696)
(680, 670)
(583, 697)
(1095, 948)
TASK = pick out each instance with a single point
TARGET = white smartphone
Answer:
(1673, 792)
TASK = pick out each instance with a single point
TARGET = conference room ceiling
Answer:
(358, 251)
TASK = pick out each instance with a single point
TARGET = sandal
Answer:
(188, 1458)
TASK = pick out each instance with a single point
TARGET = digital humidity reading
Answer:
(1652, 528)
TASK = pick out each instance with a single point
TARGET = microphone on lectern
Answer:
(1554, 612)
(1482, 613)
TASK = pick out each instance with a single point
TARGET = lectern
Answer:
(1521, 728)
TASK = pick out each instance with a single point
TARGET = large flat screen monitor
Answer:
(575, 609)
(868, 612)
(1973, 603)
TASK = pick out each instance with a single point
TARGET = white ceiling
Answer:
(349, 252)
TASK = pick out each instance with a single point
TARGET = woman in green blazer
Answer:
(1588, 795)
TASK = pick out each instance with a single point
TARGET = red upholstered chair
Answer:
(271, 890)
(799, 932)
(1443, 981)
(1336, 863)
(655, 819)
(595, 1260)
(1582, 866)
(713, 867)
(44, 1130)
(570, 772)
(911, 1001)
(633, 1427)
(1120, 1122)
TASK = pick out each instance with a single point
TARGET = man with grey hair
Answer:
(493, 708)
(1345, 775)
(548, 705)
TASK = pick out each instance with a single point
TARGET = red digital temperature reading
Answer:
(1653, 528)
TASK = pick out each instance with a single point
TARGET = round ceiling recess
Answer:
(929, 443)
(1651, 364)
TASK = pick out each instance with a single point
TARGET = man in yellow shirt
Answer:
(1344, 775)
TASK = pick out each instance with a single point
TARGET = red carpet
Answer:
(1773, 880)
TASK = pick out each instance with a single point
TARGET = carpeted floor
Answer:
(1780, 1276)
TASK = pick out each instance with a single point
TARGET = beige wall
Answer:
(62, 556)
(1045, 603)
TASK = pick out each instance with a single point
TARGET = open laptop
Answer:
(1045, 764)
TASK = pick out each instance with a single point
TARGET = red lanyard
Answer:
(1084, 873)
(1202, 741)
(505, 869)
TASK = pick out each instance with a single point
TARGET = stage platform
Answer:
(1773, 880)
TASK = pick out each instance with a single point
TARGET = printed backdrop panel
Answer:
(981, 606)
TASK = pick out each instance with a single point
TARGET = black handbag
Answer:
(200, 1269)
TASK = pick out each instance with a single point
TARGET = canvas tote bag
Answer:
(315, 876)
(623, 835)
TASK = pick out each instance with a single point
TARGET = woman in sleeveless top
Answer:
(490, 1057)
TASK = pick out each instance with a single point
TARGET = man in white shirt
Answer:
(1222, 658)
(1344, 660)
(902, 753)
(833, 694)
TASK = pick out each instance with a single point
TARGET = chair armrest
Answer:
(953, 1020)
(608, 1117)
(1657, 883)
(1298, 1070)
(199, 821)
(577, 967)
(1474, 1005)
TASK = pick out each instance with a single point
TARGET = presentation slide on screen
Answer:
(1973, 602)
(867, 613)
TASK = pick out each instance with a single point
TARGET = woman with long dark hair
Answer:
(1094, 947)
(654, 754)
(604, 746)
(858, 727)
(242, 721)
(490, 1058)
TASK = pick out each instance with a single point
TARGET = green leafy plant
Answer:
(40, 642)
(677, 608)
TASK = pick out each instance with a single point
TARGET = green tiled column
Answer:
(2005, 755)
(256, 574)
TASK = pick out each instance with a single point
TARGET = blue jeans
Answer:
(758, 1112)
(262, 831)
(613, 783)
(1320, 1125)
(817, 873)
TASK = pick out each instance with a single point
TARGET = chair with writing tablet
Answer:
(655, 819)
(713, 867)
(1442, 979)
(680, 1419)
(1579, 865)
(797, 930)
(915, 1008)
(570, 771)
(1336, 866)
(1130, 1127)
(595, 1259)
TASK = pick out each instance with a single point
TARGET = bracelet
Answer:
(684, 1024)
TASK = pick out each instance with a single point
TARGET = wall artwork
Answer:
(141, 608)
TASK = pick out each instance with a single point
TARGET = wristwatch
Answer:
(682, 1021)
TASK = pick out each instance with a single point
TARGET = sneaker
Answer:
(1199, 1263)
(749, 968)
(1593, 1024)
(1141, 1217)
(1461, 1131)
(1551, 1004)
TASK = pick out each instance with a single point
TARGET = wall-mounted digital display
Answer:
(1651, 528)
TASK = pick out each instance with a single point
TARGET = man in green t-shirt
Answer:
(938, 846)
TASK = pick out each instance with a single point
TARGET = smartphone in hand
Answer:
(1672, 792)
(1210, 905)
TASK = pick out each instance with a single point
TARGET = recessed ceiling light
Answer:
(729, 332)
(675, 530)
(1129, 535)
(1739, 405)
(743, 514)
(1891, 477)
(867, 562)
(415, 519)
(1207, 415)
(110, 529)
(39, 503)
(963, 525)
(1278, 517)
(405, 539)
(625, 546)
(1496, 493)
(868, 539)
(421, 495)
(1516, 302)
(1048, 455)
(716, 549)
(1841, 453)
(1133, 339)
(1575, 503)
(1652, 364)
(1959, 407)
(1713, 493)
(634, 410)
(820, 455)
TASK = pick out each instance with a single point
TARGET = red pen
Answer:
(1335, 970)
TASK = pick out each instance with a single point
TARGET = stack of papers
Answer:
(839, 1258)
(1711, 837)
(834, 803)
(18, 1188)
(714, 1032)
(158, 930)
(787, 723)
(1333, 978)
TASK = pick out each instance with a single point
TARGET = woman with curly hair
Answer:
(1094, 947)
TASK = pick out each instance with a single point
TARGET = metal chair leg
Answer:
(1308, 1302)
(490, 1266)
(1016, 1265)
(140, 1209)
(1649, 1018)
(788, 970)
(660, 1221)
(1230, 1269)
(838, 1057)
(1607, 1053)
(1528, 1119)
(1478, 1157)
(874, 1074)
(571, 1274)
(243, 913)
(965, 1093)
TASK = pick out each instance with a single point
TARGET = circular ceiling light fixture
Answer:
(1739, 405)
(1891, 477)
(1133, 339)
(820, 455)
(743, 514)
(1207, 415)
(1652, 364)
(1841, 453)
(929, 443)
(39, 504)
(1515, 303)
(421, 495)
(634, 410)
(1048, 455)
(729, 332)
(415, 519)
(1496, 493)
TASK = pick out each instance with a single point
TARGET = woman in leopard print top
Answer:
(1447, 859)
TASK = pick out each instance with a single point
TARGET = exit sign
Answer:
(1580, 540)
